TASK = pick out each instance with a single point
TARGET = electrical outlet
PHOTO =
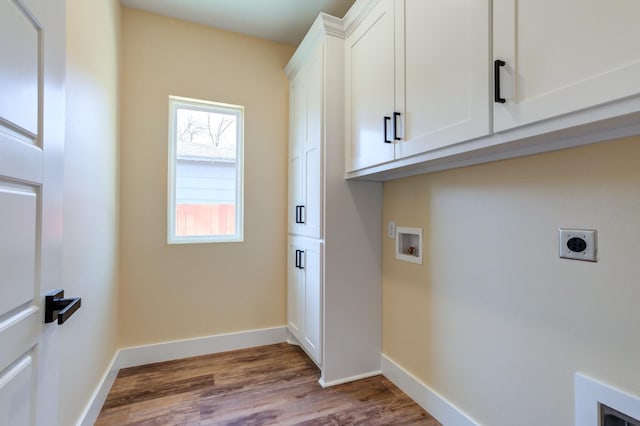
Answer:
(577, 244)
(391, 229)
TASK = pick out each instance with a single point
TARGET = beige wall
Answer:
(171, 292)
(88, 341)
(494, 321)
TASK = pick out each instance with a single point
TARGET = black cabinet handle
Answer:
(299, 259)
(386, 119)
(55, 302)
(395, 126)
(302, 218)
(299, 214)
(496, 81)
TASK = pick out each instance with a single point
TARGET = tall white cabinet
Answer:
(334, 247)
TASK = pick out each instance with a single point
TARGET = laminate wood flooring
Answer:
(267, 385)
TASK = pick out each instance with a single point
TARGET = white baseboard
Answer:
(348, 379)
(99, 396)
(444, 411)
(167, 351)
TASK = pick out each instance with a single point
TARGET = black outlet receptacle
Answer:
(576, 244)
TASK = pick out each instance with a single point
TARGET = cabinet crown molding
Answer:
(356, 14)
(324, 25)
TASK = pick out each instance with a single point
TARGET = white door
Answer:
(369, 89)
(295, 289)
(312, 145)
(297, 129)
(31, 158)
(442, 83)
(563, 56)
(311, 264)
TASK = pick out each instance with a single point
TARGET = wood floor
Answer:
(268, 385)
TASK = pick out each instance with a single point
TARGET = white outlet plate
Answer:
(587, 235)
(391, 229)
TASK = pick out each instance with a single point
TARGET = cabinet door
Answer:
(312, 146)
(442, 82)
(563, 56)
(312, 264)
(295, 291)
(304, 293)
(297, 129)
(369, 84)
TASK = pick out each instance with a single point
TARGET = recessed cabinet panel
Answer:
(370, 88)
(445, 90)
(585, 53)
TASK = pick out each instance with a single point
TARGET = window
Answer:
(205, 171)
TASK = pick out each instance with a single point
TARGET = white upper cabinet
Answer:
(369, 98)
(305, 149)
(442, 73)
(563, 56)
(417, 79)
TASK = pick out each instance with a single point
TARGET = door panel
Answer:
(370, 87)
(313, 299)
(312, 147)
(17, 245)
(585, 53)
(295, 292)
(15, 395)
(445, 89)
(19, 67)
(297, 129)
(31, 161)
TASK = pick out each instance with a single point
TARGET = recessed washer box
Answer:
(409, 244)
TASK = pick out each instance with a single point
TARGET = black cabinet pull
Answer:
(299, 259)
(55, 302)
(302, 218)
(496, 81)
(386, 119)
(299, 214)
(395, 126)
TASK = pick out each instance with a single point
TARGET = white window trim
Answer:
(176, 102)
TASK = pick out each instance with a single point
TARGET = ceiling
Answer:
(284, 21)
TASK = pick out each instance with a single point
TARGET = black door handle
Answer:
(302, 218)
(55, 302)
(395, 126)
(496, 81)
(386, 119)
